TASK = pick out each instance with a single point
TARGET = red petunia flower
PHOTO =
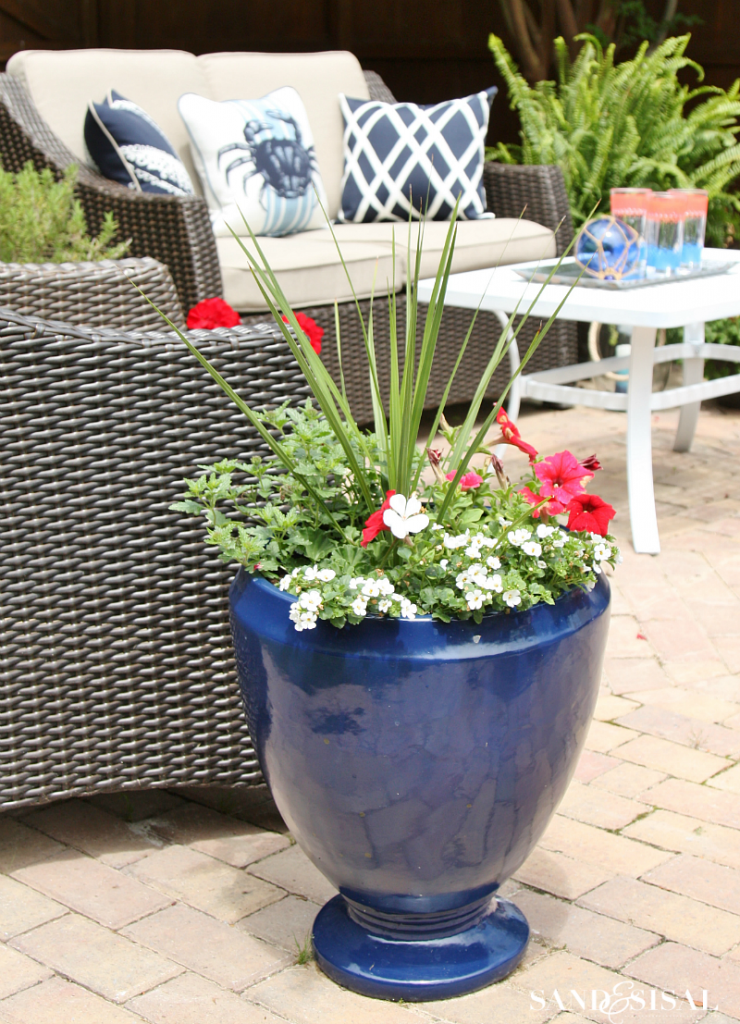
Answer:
(374, 522)
(510, 435)
(311, 329)
(589, 512)
(468, 481)
(562, 477)
(591, 463)
(212, 313)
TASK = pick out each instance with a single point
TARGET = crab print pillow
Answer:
(257, 163)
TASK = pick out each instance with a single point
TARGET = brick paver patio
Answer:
(194, 907)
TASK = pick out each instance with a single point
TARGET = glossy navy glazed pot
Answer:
(417, 763)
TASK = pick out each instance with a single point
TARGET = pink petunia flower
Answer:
(552, 508)
(510, 435)
(468, 481)
(562, 477)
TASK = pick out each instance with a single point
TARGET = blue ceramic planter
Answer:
(417, 764)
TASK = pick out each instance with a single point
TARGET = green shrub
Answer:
(629, 124)
(42, 222)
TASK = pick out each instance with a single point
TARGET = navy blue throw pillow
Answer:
(129, 147)
(400, 157)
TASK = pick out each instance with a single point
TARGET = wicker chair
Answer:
(92, 294)
(116, 664)
(177, 231)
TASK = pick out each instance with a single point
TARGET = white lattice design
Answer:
(399, 154)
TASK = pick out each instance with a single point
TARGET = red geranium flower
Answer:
(511, 435)
(467, 481)
(374, 522)
(589, 512)
(562, 477)
(212, 313)
(311, 329)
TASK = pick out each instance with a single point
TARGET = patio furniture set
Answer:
(116, 657)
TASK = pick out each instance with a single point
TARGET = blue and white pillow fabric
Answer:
(129, 147)
(399, 157)
(257, 162)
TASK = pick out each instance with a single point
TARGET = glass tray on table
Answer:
(569, 272)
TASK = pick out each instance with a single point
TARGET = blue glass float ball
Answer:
(608, 248)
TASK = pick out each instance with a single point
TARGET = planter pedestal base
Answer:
(432, 965)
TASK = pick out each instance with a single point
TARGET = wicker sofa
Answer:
(116, 665)
(47, 129)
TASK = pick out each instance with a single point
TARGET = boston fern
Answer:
(628, 124)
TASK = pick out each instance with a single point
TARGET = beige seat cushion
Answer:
(63, 82)
(318, 78)
(310, 272)
(479, 243)
(308, 268)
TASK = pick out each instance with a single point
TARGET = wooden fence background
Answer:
(426, 50)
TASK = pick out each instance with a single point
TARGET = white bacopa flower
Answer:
(473, 551)
(359, 606)
(437, 526)
(311, 600)
(518, 537)
(405, 516)
(408, 610)
(302, 618)
(325, 575)
(452, 543)
(371, 588)
(462, 579)
(597, 568)
(384, 606)
(541, 564)
(444, 562)
(485, 542)
(310, 573)
(494, 583)
(296, 572)
(601, 551)
(474, 599)
(504, 522)
(493, 562)
(356, 582)
(619, 558)
(531, 547)
(285, 582)
(545, 531)
(560, 543)
(512, 598)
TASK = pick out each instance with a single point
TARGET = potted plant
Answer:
(50, 267)
(419, 646)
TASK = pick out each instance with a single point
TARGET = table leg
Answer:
(693, 373)
(639, 443)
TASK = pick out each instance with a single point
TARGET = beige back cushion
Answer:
(62, 83)
(318, 79)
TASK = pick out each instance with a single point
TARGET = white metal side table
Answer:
(681, 303)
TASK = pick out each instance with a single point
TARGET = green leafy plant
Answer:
(41, 220)
(721, 332)
(632, 124)
(357, 522)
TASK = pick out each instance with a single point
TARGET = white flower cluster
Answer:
(361, 591)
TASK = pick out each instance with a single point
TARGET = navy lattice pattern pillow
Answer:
(401, 159)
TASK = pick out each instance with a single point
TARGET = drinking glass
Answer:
(665, 217)
(695, 202)
(631, 205)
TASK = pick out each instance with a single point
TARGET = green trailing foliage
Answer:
(41, 221)
(631, 124)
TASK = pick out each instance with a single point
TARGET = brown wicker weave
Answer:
(98, 294)
(176, 230)
(116, 669)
